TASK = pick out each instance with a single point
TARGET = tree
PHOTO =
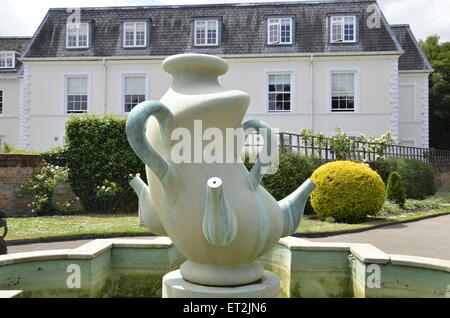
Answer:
(395, 190)
(439, 56)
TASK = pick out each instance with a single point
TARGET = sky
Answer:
(426, 17)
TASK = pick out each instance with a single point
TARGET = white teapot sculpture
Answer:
(217, 214)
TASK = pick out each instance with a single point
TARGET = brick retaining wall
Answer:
(15, 169)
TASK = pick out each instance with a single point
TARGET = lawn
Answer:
(46, 227)
(312, 224)
(390, 213)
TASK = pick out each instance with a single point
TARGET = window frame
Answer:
(13, 55)
(89, 92)
(357, 88)
(206, 34)
(269, 24)
(123, 76)
(78, 46)
(2, 102)
(135, 34)
(280, 71)
(342, 18)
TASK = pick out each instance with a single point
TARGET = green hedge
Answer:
(97, 153)
(418, 176)
(293, 170)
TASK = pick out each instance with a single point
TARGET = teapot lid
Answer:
(195, 63)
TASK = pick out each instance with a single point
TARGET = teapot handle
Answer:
(256, 175)
(136, 127)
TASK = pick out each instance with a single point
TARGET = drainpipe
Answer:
(311, 79)
(105, 89)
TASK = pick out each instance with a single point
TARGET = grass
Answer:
(47, 227)
(312, 224)
(391, 213)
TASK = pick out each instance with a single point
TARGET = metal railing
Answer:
(320, 148)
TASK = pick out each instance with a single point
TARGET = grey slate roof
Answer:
(414, 58)
(16, 44)
(243, 29)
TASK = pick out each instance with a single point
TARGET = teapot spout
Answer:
(219, 221)
(293, 207)
(147, 214)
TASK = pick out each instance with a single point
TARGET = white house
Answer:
(11, 77)
(315, 65)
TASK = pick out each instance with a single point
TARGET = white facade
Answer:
(413, 119)
(380, 91)
(363, 78)
(10, 110)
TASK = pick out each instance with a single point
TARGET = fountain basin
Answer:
(135, 268)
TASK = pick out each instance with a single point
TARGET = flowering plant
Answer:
(41, 187)
(342, 145)
(108, 192)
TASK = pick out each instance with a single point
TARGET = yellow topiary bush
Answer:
(347, 191)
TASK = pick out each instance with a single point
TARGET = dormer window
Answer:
(279, 31)
(343, 29)
(206, 32)
(135, 34)
(77, 35)
(7, 60)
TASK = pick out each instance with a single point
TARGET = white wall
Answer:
(374, 99)
(9, 120)
(412, 95)
(372, 118)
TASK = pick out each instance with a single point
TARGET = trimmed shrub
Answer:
(395, 190)
(293, 170)
(99, 157)
(418, 177)
(347, 191)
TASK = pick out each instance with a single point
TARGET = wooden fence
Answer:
(355, 150)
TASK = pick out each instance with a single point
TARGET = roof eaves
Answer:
(15, 37)
(416, 71)
(260, 55)
(400, 25)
